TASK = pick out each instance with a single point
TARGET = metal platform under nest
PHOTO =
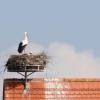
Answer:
(27, 68)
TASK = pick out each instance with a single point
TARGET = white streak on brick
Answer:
(55, 89)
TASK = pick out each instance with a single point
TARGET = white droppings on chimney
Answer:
(55, 88)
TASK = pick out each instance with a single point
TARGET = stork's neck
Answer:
(26, 37)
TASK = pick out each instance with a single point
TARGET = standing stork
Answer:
(23, 43)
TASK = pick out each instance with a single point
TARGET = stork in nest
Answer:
(23, 43)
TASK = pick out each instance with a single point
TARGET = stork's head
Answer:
(26, 33)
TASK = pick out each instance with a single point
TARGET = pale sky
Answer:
(72, 21)
(69, 31)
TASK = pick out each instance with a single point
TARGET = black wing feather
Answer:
(21, 48)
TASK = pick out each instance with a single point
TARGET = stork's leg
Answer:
(24, 51)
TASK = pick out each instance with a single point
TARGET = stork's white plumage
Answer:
(23, 43)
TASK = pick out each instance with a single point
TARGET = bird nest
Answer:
(27, 62)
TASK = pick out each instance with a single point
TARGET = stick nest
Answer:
(27, 59)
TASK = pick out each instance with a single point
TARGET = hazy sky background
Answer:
(71, 21)
(69, 31)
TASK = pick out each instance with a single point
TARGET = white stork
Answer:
(23, 43)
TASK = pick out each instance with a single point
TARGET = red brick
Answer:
(52, 89)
